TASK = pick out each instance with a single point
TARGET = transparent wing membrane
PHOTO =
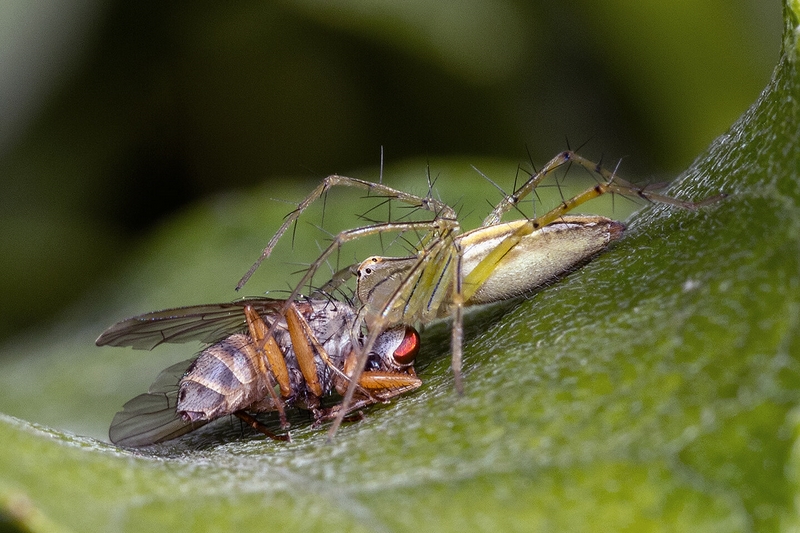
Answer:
(151, 418)
(204, 323)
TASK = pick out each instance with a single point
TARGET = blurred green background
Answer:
(113, 115)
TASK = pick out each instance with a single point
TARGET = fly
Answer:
(263, 356)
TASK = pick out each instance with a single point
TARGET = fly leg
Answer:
(303, 351)
(384, 384)
(382, 387)
(303, 339)
(251, 421)
(304, 334)
(337, 411)
(272, 363)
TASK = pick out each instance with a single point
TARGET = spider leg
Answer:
(427, 203)
(611, 183)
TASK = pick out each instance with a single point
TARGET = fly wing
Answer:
(152, 418)
(205, 323)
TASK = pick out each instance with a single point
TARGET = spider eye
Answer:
(408, 349)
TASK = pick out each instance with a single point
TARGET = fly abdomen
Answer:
(226, 377)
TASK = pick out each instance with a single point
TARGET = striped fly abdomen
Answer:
(225, 377)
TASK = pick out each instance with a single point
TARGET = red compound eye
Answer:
(408, 349)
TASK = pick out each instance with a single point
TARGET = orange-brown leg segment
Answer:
(277, 363)
(303, 351)
(309, 333)
(378, 385)
(273, 358)
(386, 385)
(382, 386)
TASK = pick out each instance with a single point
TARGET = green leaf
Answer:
(656, 388)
